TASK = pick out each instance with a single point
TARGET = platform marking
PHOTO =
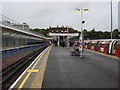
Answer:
(33, 70)
(13, 85)
(23, 82)
(38, 80)
(25, 79)
(110, 56)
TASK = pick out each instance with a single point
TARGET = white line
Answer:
(12, 86)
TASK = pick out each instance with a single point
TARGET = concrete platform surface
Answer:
(93, 71)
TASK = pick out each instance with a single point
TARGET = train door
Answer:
(85, 44)
(92, 45)
(99, 45)
(89, 45)
(117, 49)
(102, 47)
(96, 45)
(110, 46)
(114, 47)
(106, 47)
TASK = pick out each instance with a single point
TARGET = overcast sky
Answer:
(45, 14)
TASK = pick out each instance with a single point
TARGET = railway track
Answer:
(11, 73)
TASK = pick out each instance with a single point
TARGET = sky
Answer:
(44, 14)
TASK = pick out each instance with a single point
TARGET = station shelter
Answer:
(61, 34)
(61, 38)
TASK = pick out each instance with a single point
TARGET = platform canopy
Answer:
(64, 34)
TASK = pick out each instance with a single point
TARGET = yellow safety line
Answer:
(23, 82)
(38, 80)
(25, 79)
(110, 56)
(33, 70)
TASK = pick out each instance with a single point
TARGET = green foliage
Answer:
(116, 34)
(92, 34)
(100, 35)
(39, 31)
(73, 30)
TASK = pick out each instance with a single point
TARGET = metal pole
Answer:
(58, 40)
(111, 20)
(81, 36)
(67, 38)
(81, 21)
(81, 24)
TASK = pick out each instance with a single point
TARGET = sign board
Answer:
(64, 34)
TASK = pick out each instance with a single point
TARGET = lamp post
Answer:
(81, 36)
(111, 20)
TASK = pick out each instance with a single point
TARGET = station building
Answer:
(61, 34)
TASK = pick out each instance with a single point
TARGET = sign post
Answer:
(81, 42)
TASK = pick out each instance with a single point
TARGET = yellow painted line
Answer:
(25, 79)
(37, 82)
(23, 82)
(110, 56)
(33, 70)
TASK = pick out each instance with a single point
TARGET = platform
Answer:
(55, 68)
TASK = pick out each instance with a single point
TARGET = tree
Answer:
(39, 31)
(92, 34)
(116, 34)
(100, 33)
(106, 35)
(72, 30)
(85, 33)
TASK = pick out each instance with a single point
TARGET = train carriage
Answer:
(117, 49)
(107, 46)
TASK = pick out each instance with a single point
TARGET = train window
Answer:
(88, 44)
(97, 44)
(102, 45)
(108, 45)
(117, 45)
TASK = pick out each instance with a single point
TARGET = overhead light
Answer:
(77, 10)
(86, 10)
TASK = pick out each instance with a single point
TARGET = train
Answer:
(107, 46)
